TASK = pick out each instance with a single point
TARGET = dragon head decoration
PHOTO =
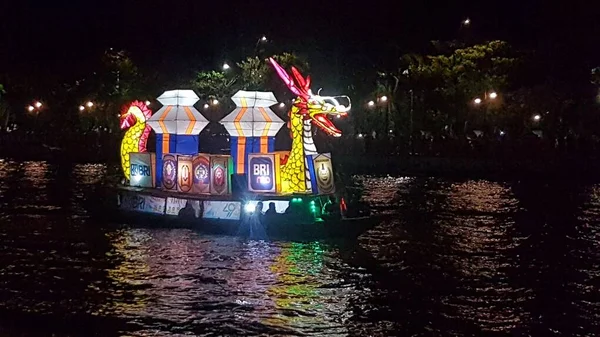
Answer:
(133, 119)
(136, 112)
(310, 106)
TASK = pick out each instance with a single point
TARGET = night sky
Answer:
(58, 40)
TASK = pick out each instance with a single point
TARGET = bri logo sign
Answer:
(140, 170)
(261, 174)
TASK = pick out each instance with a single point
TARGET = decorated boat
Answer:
(251, 189)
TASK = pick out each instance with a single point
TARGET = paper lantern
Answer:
(133, 118)
(177, 124)
(220, 175)
(307, 110)
(142, 169)
(169, 172)
(263, 173)
(184, 174)
(323, 174)
(252, 126)
(201, 169)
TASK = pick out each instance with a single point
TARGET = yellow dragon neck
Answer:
(130, 143)
(293, 172)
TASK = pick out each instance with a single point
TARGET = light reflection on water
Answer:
(459, 258)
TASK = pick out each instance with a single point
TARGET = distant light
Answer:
(477, 100)
(263, 39)
(383, 98)
(501, 133)
(226, 66)
(30, 108)
(215, 102)
(147, 103)
(81, 108)
(467, 22)
(206, 105)
(338, 116)
(391, 131)
(281, 105)
(493, 95)
(89, 104)
(360, 135)
(38, 104)
(537, 118)
(371, 103)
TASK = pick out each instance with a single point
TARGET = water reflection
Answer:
(461, 257)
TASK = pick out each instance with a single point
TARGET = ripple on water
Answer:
(458, 257)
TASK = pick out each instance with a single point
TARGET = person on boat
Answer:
(258, 214)
(331, 209)
(296, 213)
(188, 212)
(271, 211)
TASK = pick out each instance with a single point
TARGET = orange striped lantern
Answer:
(177, 125)
(252, 126)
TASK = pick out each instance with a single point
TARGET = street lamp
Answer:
(81, 108)
(371, 104)
(493, 95)
(89, 104)
(147, 103)
(38, 104)
(537, 117)
(466, 22)
(263, 39)
(206, 106)
(215, 102)
(226, 66)
(383, 98)
(282, 105)
(477, 100)
(30, 108)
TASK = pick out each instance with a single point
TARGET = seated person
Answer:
(271, 211)
(331, 209)
(188, 212)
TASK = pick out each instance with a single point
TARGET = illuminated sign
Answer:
(169, 180)
(224, 210)
(141, 169)
(263, 172)
(184, 173)
(220, 178)
(324, 173)
(201, 168)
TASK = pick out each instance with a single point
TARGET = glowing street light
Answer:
(38, 104)
(537, 117)
(226, 66)
(493, 95)
(81, 108)
(89, 104)
(147, 103)
(263, 38)
(215, 102)
(383, 98)
(30, 108)
(467, 22)
(371, 103)
(501, 133)
(206, 106)
(477, 100)
(282, 105)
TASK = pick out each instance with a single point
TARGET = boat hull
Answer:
(281, 226)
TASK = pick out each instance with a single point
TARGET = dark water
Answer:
(459, 258)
